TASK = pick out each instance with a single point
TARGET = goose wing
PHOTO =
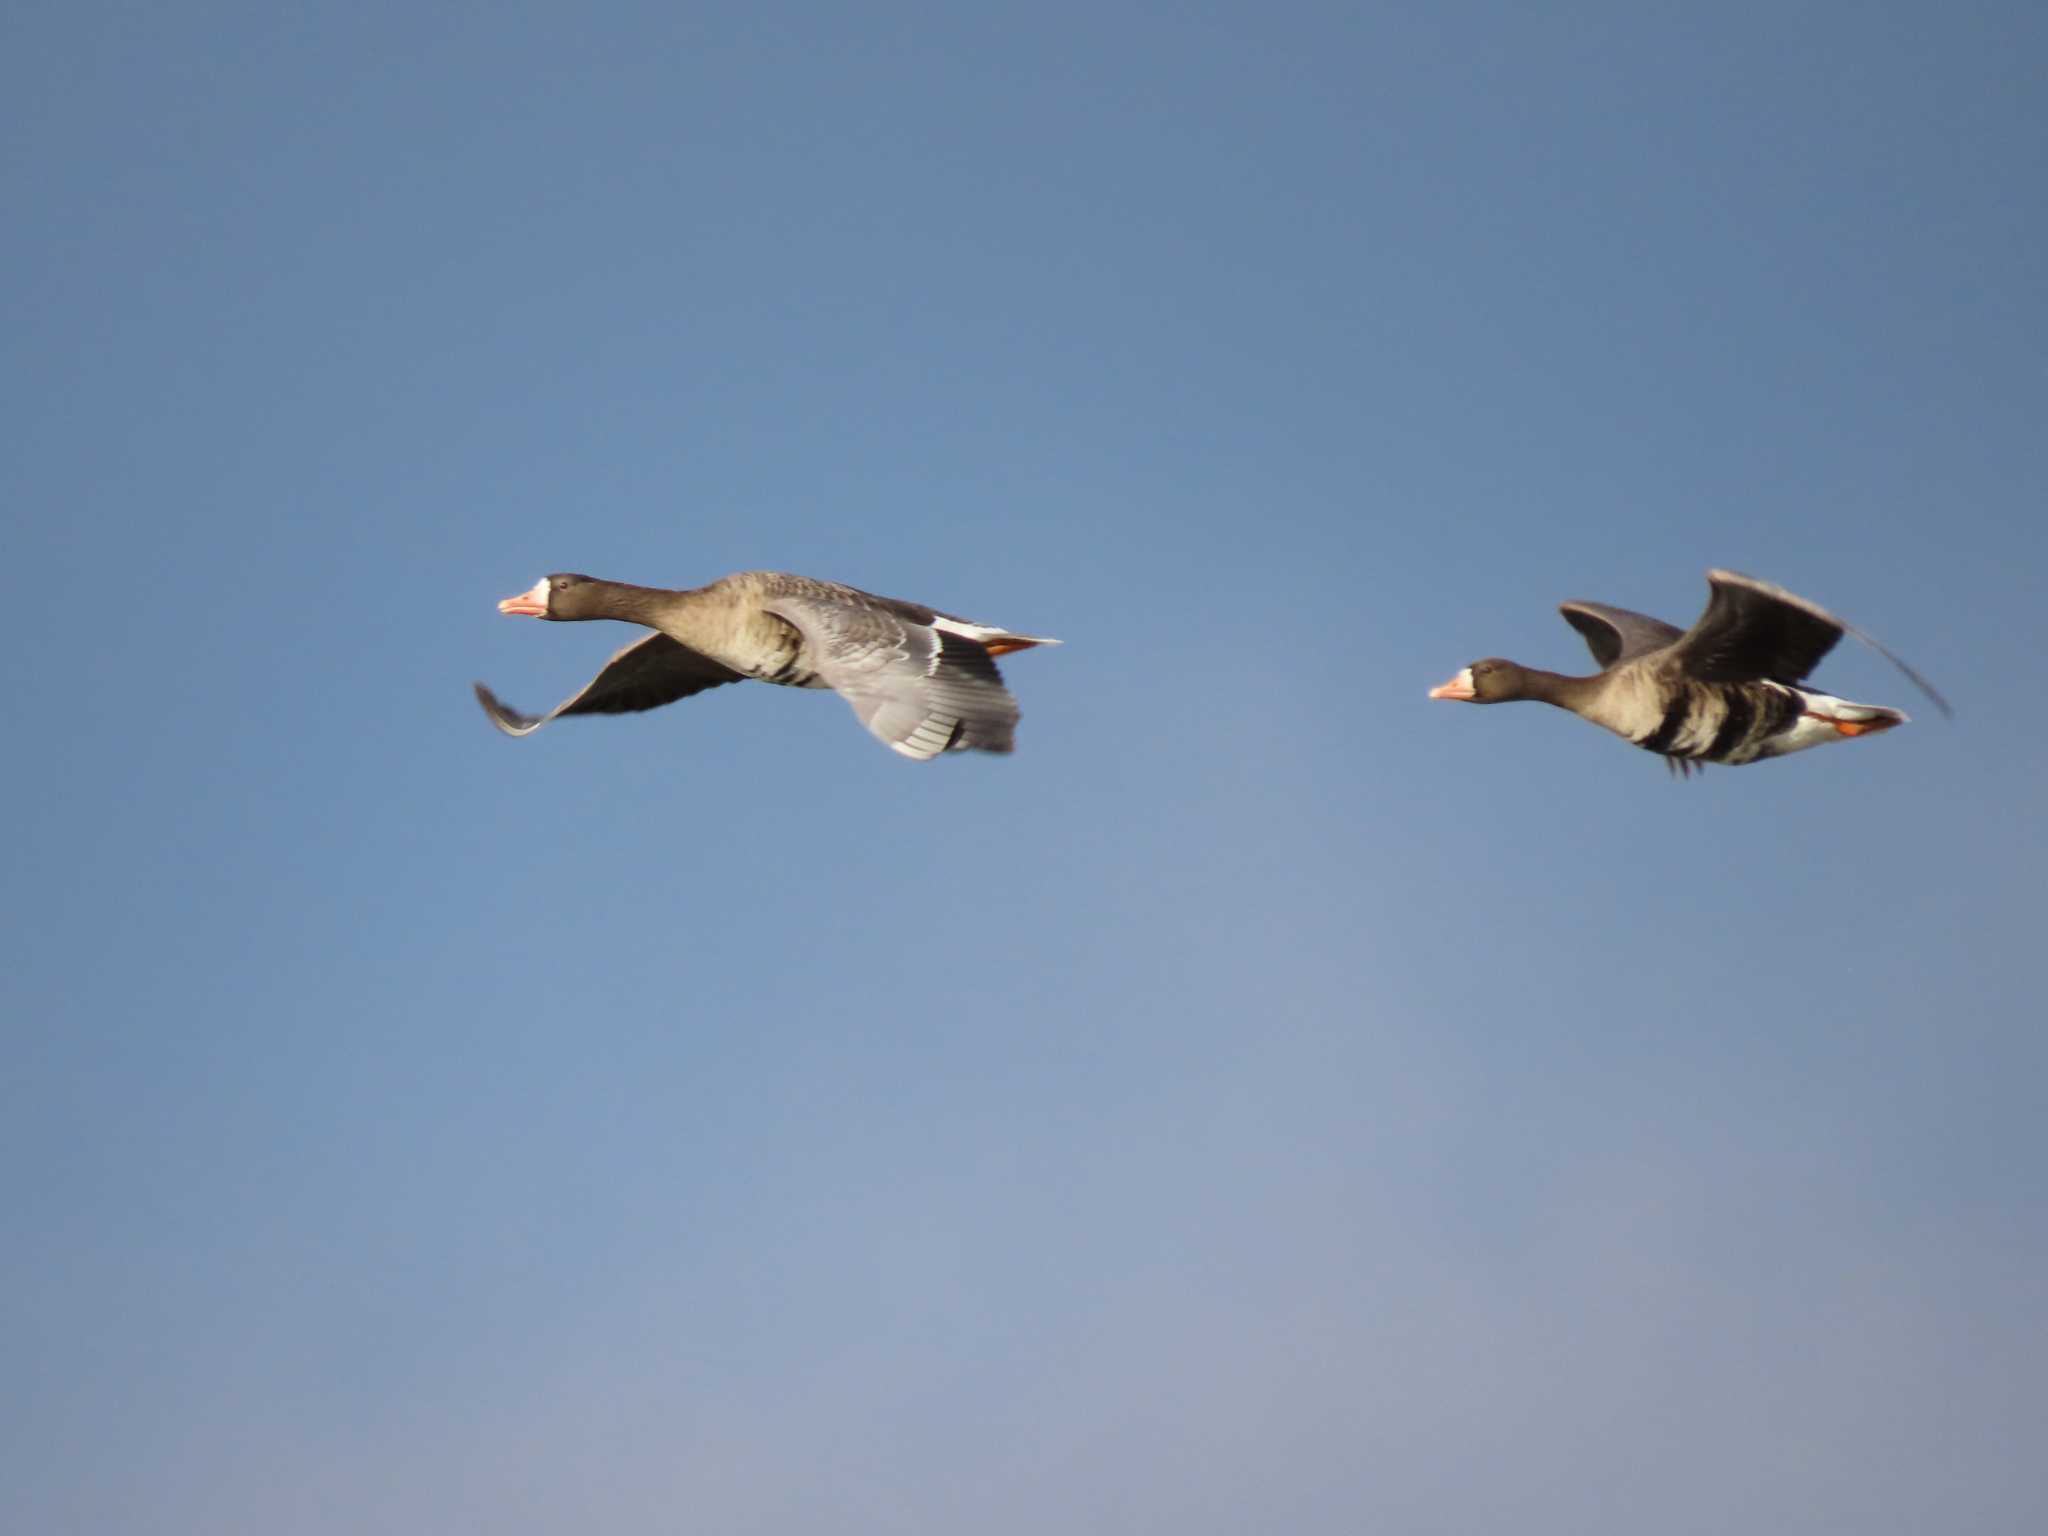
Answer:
(1615, 635)
(1756, 631)
(922, 689)
(645, 675)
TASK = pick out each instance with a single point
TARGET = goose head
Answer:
(1492, 681)
(564, 595)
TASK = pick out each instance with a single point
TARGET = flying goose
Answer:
(1725, 691)
(925, 682)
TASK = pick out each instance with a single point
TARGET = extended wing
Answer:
(1615, 635)
(645, 675)
(922, 690)
(1756, 630)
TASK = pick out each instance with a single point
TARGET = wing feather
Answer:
(648, 673)
(1615, 635)
(1757, 631)
(922, 690)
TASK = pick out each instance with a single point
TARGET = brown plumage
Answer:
(922, 680)
(1725, 691)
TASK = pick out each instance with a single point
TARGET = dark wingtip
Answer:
(1947, 709)
(508, 720)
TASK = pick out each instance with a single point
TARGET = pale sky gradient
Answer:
(1269, 1100)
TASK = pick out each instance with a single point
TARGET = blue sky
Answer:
(1269, 1100)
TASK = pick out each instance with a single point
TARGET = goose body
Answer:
(1729, 690)
(923, 681)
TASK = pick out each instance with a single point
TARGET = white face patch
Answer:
(533, 602)
(1459, 687)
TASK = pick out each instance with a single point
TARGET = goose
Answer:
(1728, 690)
(923, 681)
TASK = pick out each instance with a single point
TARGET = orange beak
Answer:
(532, 604)
(1459, 687)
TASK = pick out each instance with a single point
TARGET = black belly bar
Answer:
(1735, 727)
(1675, 716)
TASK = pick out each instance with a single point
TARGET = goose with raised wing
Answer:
(922, 680)
(1729, 690)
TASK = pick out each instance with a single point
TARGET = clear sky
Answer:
(1269, 1100)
